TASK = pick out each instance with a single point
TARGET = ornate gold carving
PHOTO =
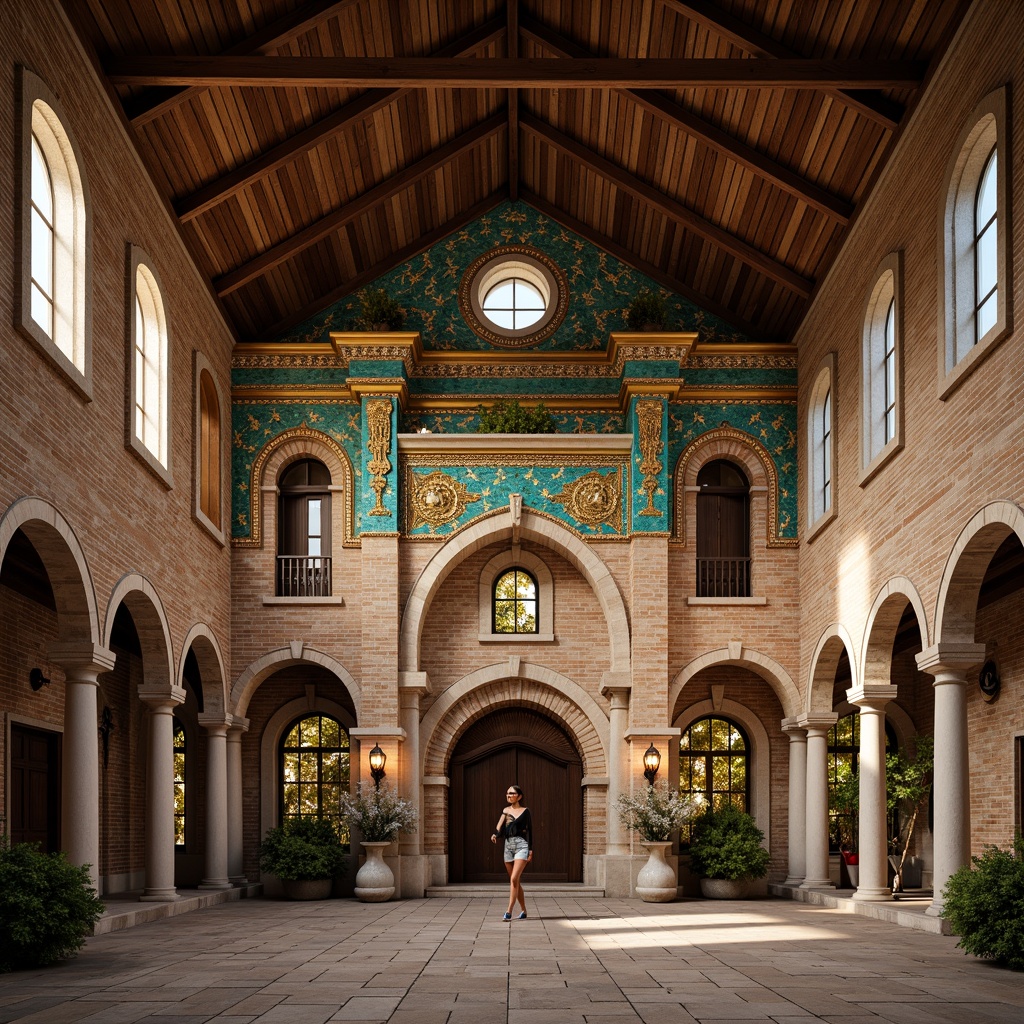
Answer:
(378, 421)
(437, 499)
(593, 499)
(649, 416)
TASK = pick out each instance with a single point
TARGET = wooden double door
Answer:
(35, 787)
(515, 746)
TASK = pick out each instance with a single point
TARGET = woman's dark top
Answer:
(521, 826)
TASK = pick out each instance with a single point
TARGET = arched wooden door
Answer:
(515, 746)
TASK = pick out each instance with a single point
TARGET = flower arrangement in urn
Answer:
(381, 816)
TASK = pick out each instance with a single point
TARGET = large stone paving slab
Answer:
(573, 961)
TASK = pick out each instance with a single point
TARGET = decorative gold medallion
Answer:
(649, 415)
(378, 421)
(593, 500)
(437, 498)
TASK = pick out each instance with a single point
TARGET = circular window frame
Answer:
(501, 264)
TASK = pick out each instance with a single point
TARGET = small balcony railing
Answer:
(723, 577)
(303, 575)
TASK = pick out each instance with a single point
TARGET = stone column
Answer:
(797, 802)
(873, 843)
(415, 867)
(816, 863)
(618, 723)
(216, 863)
(82, 663)
(236, 868)
(948, 663)
(160, 794)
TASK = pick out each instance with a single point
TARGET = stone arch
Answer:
(736, 654)
(139, 596)
(201, 639)
(290, 445)
(753, 458)
(62, 555)
(957, 603)
(490, 688)
(498, 527)
(880, 630)
(296, 653)
(821, 678)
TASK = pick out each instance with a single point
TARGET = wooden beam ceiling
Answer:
(512, 11)
(504, 73)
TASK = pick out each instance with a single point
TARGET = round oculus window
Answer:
(513, 296)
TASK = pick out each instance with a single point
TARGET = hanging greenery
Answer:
(509, 417)
(379, 311)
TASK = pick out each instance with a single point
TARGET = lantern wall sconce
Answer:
(652, 762)
(377, 761)
(37, 680)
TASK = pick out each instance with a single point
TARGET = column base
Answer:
(215, 883)
(817, 883)
(935, 910)
(239, 880)
(159, 896)
(794, 881)
(872, 895)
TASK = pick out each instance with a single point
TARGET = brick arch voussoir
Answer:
(880, 631)
(203, 642)
(822, 674)
(141, 599)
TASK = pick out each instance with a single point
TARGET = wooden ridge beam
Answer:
(620, 252)
(149, 106)
(732, 148)
(512, 34)
(398, 182)
(670, 207)
(364, 277)
(879, 109)
(505, 73)
(230, 184)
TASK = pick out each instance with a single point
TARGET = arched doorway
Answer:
(515, 745)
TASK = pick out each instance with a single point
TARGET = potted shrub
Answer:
(726, 849)
(380, 815)
(509, 417)
(646, 311)
(379, 311)
(653, 816)
(47, 906)
(305, 853)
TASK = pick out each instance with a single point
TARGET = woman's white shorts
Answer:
(516, 848)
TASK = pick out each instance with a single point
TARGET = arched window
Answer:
(150, 381)
(714, 764)
(54, 291)
(304, 530)
(723, 531)
(209, 449)
(179, 784)
(515, 602)
(882, 422)
(314, 769)
(820, 446)
(986, 272)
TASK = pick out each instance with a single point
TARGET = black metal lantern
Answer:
(377, 761)
(652, 762)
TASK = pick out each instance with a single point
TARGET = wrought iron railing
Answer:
(304, 575)
(723, 577)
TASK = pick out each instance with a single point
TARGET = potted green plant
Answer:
(509, 417)
(379, 311)
(727, 850)
(646, 311)
(306, 854)
(653, 815)
(379, 815)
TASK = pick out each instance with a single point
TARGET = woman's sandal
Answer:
(522, 916)
(507, 917)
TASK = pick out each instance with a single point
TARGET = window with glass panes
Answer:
(315, 770)
(843, 764)
(986, 275)
(714, 765)
(515, 602)
(179, 784)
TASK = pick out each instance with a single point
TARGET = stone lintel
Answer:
(383, 733)
(649, 735)
(595, 780)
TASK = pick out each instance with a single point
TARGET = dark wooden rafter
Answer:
(512, 13)
(216, 192)
(880, 109)
(670, 207)
(739, 152)
(370, 274)
(398, 182)
(149, 106)
(503, 73)
(629, 257)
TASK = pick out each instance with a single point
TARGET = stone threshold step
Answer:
(534, 890)
(908, 912)
(125, 911)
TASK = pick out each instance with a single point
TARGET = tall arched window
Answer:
(304, 531)
(54, 289)
(209, 449)
(714, 764)
(150, 379)
(882, 419)
(723, 531)
(179, 784)
(314, 769)
(515, 602)
(986, 272)
(820, 446)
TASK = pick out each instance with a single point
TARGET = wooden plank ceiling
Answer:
(308, 146)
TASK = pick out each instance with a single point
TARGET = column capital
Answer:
(214, 722)
(239, 724)
(363, 733)
(413, 682)
(797, 732)
(161, 696)
(617, 685)
(871, 698)
(87, 658)
(818, 721)
(953, 656)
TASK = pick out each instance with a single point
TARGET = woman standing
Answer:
(515, 826)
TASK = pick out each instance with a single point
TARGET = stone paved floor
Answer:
(454, 961)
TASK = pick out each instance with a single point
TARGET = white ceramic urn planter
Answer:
(656, 882)
(375, 881)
